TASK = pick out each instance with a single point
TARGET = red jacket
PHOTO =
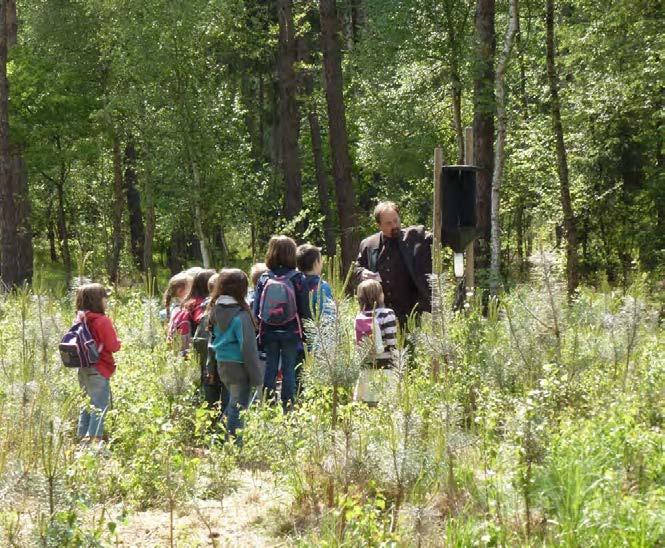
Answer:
(105, 336)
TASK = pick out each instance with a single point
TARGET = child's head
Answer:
(281, 252)
(309, 259)
(256, 272)
(232, 282)
(370, 295)
(199, 285)
(91, 297)
(212, 281)
(178, 286)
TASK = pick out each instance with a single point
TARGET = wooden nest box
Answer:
(459, 223)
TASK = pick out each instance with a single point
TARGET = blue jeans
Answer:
(98, 389)
(284, 345)
(238, 401)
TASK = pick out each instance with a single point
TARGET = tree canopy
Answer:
(153, 134)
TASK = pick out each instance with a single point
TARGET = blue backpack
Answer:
(78, 347)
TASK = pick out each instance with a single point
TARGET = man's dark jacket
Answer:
(415, 246)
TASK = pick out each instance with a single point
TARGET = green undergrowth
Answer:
(531, 421)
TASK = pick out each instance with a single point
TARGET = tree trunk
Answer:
(522, 84)
(519, 235)
(136, 229)
(322, 181)
(456, 95)
(562, 159)
(23, 212)
(223, 246)
(499, 153)
(322, 186)
(484, 108)
(188, 130)
(341, 162)
(11, 23)
(50, 234)
(149, 236)
(355, 20)
(63, 234)
(118, 199)
(15, 229)
(198, 213)
(289, 116)
(8, 220)
(203, 241)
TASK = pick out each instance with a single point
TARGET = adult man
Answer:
(401, 259)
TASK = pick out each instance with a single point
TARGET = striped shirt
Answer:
(387, 322)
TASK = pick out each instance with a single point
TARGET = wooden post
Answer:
(469, 267)
(436, 225)
(468, 146)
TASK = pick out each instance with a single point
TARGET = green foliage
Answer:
(192, 87)
(526, 434)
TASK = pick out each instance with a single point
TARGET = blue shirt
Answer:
(320, 296)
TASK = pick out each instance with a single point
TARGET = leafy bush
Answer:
(539, 421)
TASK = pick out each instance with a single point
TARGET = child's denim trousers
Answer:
(239, 397)
(281, 347)
(98, 389)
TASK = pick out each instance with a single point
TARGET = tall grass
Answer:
(535, 421)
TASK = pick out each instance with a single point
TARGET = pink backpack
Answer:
(278, 301)
(367, 326)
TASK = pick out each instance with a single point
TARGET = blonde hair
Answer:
(257, 271)
(212, 281)
(370, 295)
(182, 280)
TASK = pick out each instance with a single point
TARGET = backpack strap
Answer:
(290, 278)
(82, 317)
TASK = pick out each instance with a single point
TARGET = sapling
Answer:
(335, 362)
(438, 342)
(151, 332)
(11, 525)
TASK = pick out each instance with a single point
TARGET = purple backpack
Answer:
(78, 347)
(278, 301)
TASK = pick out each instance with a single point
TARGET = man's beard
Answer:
(396, 232)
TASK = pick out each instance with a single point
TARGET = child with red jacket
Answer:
(91, 305)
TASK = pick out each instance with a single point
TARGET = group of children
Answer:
(245, 337)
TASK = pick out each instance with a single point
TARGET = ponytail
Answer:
(179, 281)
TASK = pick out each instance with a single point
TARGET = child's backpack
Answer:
(78, 348)
(278, 301)
(367, 326)
(181, 322)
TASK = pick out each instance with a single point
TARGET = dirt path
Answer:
(245, 519)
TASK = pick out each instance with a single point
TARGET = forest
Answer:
(143, 139)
